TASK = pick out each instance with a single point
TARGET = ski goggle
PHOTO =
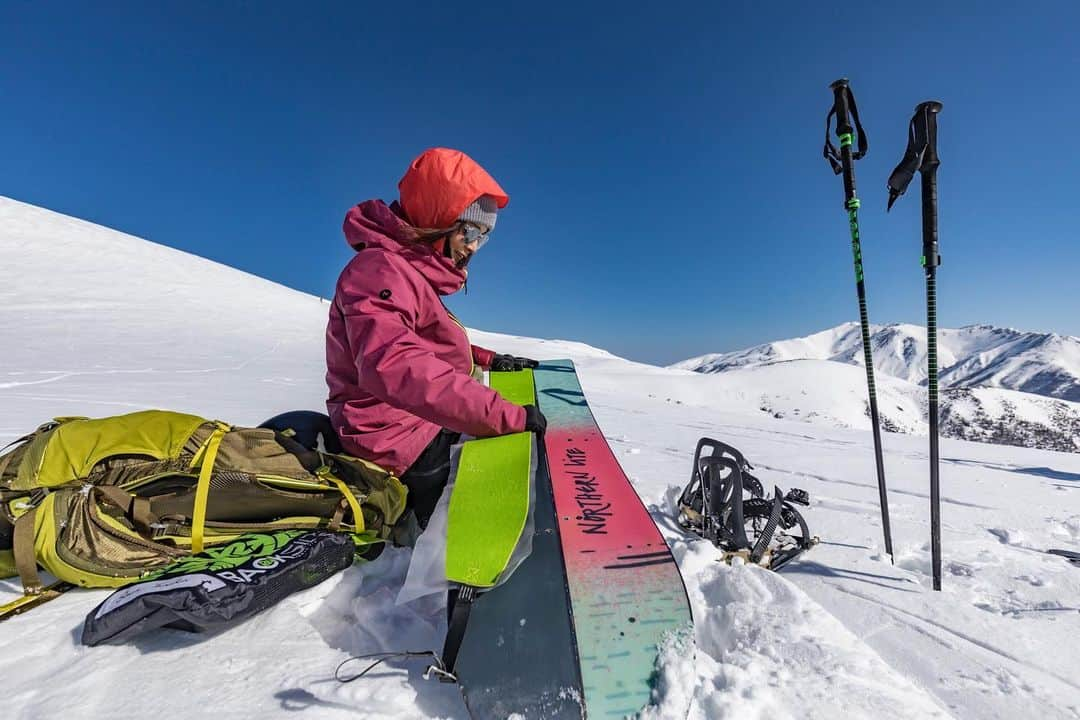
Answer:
(475, 234)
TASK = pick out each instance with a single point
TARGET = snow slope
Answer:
(95, 322)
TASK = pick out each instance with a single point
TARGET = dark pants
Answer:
(428, 475)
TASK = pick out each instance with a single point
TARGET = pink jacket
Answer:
(398, 363)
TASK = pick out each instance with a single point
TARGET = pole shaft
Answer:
(930, 262)
(868, 362)
(927, 113)
(851, 202)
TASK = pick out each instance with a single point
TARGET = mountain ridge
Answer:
(981, 355)
(1028, 382)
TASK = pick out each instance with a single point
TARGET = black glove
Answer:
(535, 420)
(505, 363)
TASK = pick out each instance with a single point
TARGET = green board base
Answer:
(490, 504)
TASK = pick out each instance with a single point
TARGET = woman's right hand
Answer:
(535, 420)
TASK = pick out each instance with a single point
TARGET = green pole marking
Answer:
(846, 140)
(856, 246)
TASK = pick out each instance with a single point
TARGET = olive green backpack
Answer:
(99, 503)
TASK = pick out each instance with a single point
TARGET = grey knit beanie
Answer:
(483, 212)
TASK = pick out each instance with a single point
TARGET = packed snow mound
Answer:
(766, 643)
(841, 631)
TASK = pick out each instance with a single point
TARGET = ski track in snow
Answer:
(842, 632)
(825, 479)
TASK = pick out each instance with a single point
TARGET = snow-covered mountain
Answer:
(1028, 384)
(94, 322)
(973, 356)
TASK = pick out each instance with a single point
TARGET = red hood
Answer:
(440, 183)
(374, 224)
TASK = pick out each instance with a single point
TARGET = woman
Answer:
(401, 371)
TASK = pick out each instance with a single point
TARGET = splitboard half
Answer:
(518, 656)
(626, 592)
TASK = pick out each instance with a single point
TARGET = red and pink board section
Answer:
(626, 593)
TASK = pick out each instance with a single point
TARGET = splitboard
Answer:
(626, 592)
(575, 631)
(518, 655)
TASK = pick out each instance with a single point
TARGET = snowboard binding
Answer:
(725, 504)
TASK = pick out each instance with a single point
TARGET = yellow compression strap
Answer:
(358, 515)
(25, 558)
(202, 490)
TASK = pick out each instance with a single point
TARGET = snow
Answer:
(94, 322)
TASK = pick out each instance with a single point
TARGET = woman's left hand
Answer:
(511, 363)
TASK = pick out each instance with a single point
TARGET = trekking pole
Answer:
(842, 161)
(921, 156)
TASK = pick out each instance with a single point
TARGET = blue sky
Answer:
(668, 194)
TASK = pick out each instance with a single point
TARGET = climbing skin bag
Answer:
(222, 586)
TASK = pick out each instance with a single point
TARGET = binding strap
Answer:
(767, 532)
(455, 633)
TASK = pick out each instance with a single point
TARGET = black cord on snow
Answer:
(436, 667)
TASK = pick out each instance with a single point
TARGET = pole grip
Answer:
(928, 112)
(841, 92)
